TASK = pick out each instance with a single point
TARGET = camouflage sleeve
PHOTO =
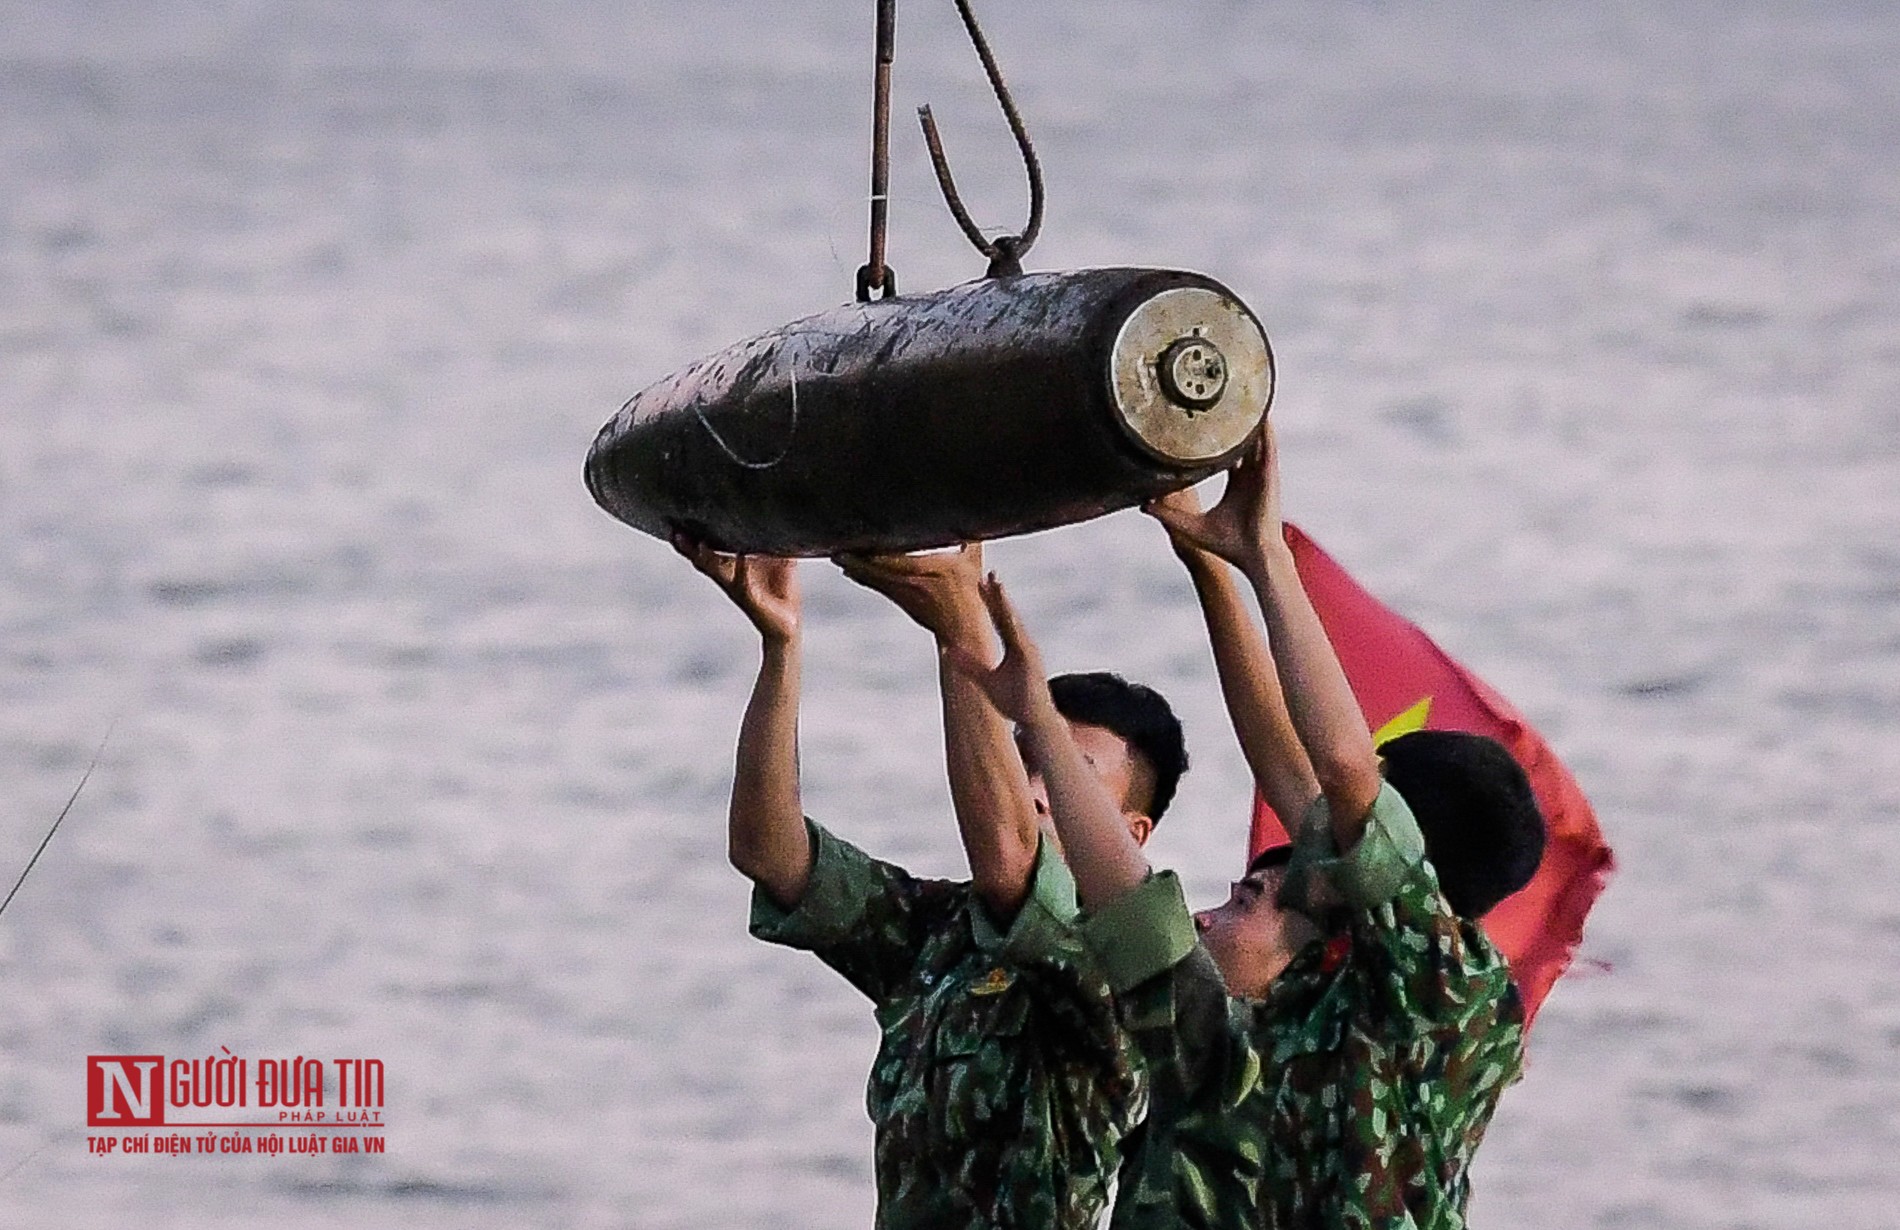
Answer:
(1436, 1026)
(1430, 969)
(1194, 1038)
(1319, 879)
(1043, 931)
(1450, 1021)
(1426, 968)
(1097, 1092)
(865, 918)
(1043, 947)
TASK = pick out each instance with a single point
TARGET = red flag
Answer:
(1404, 681)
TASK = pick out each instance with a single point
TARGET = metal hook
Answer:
(1005, 251)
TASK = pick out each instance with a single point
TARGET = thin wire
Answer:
(791, 432)
(1005, 251)
(59, 820)
(23, 1161)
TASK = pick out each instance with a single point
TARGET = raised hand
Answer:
(1183, 503)
(1016, 686)
(939, 590)
(765, 587)
(1245, 523)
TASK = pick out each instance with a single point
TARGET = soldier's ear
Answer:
(1140, 827)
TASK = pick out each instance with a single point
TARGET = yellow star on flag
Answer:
(1413, 718)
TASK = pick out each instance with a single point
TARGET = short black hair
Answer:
(1137, 713)
(1484, 833)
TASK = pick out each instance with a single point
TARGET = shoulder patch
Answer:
(995, 983)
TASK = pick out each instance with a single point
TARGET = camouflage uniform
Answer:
(1355, 1094)
(1003, 1083)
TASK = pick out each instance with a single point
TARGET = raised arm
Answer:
(989, 788)
(1248, 682)
(1245, 529)
(1102, 854)
(766, 835)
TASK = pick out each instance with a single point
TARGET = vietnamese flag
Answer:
(1404, 682)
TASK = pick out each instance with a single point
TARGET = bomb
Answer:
(1001, 406)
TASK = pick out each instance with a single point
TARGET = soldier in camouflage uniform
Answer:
(1003, 1081)
(1327, 1051)
(1354, 1092)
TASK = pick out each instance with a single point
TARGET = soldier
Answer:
(1326, 1047)
(1003, 1082)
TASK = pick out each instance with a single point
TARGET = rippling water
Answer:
(1589, 333)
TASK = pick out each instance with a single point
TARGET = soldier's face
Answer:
(1118, 766)
(1250, 938)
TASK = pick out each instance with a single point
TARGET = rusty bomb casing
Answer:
(997, 407)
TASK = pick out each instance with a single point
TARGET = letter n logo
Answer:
(125, 1090)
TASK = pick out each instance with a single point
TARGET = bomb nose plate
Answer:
(1191, 374)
